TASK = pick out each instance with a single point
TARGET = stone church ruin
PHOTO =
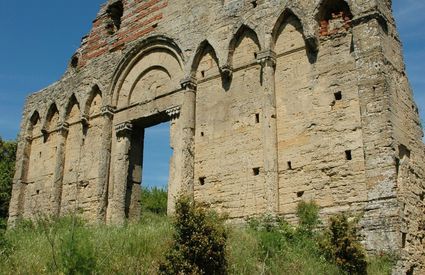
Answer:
(270, 102)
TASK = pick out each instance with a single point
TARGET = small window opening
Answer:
(256, 171)
(257, 118)
(74, 61)
(38, 192)
(202, 180)
(338, 96)
(289, 165)
(348, 155)
(203, 73)
(300, 194)
(422, 196)
(334, 17)
(202, 134)
(403, 240)
(115, 12)
(255, 55)
(254, 4)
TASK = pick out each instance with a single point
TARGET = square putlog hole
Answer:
(338, 96)
(348, 155)
(202, 180)
(256, 171)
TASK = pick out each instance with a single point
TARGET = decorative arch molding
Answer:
(333, 16)
(51, 111)
(241, 32)
(72, 100)
(135, 55)
(33, 120)
(202, 49)
(308, 26)
(91, 94)
(322, 3)
(287, 13)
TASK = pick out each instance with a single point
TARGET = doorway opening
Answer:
(150, 156)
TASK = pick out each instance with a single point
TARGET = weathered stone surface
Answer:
(271, 102)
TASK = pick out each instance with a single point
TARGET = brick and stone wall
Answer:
(270, 103)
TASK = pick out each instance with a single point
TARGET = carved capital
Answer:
(267, 58)
(63, 128)
(173, 112)
(226, 71)
(312, 43)
(123, 128)
(85, 120)
(107, 111)
(189, 83)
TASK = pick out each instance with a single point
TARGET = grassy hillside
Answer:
(139, 248)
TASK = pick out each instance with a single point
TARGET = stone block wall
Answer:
(271, 102)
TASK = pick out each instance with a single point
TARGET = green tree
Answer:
(7, 169)
(154, 200)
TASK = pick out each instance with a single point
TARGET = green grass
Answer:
(138, 248)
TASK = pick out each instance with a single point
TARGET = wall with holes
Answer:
(270, 103)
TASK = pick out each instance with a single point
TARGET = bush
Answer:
(340, 244)
(308, 215)
(199, 242)
(154, 200)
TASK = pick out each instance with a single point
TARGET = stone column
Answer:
(187, 124)
(62, 130)
(267, 59)
(105, 160)
(16, 206)
(120, 170)
(182, 141)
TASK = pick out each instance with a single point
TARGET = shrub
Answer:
(199, 241)
(308, 215)
(340, 244)
(154, 200)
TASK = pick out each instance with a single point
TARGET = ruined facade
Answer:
(271, 102)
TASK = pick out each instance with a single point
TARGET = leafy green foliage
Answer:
(269, 245)
(154, 200)
(289, 249)
(7, 169)
(199, 242)
(340, 244)
(308, 215)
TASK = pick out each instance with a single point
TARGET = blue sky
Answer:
(39, 37)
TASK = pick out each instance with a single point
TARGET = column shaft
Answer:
(269, 130)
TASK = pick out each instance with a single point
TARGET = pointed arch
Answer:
(245, 38)
(333, 16)
(326, 8)
(205, 63)
(288, 33)
(34, 123)
(94, 102)
(286, 16)
(72, 110)
(52, 118)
